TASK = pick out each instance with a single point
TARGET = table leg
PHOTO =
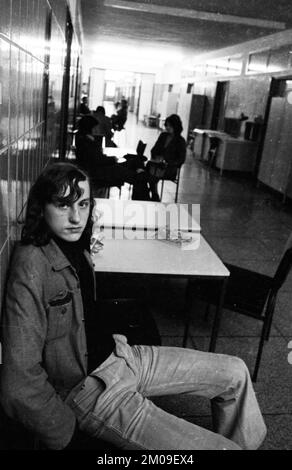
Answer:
(217, 318)
(222, 148)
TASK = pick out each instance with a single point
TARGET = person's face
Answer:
(169, 129)
(68, 221)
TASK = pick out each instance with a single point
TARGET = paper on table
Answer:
(185, 240)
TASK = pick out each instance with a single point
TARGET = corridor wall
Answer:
(32, 56)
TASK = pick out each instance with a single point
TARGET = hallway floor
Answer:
(248, 226)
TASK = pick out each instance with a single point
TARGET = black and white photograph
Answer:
(145, 229)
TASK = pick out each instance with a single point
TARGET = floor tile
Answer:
(279, 432)
(228, 248)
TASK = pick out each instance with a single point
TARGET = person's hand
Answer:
(96, 243)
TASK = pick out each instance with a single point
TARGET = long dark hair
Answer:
(49, 187)
(175, 122)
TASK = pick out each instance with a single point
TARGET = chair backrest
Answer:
(178, 173)
(140, 148)
(283, 269)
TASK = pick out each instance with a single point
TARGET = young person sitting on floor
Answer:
(66, 375)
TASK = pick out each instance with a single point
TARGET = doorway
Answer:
(219, 106)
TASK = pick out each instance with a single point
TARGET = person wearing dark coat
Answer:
(167, 155)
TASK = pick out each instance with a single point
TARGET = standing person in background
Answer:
(167, 155)
(68, 376)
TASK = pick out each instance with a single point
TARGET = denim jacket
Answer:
(43, 341)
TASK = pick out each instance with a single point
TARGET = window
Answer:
(235, 65)
(279, 59)
(258, 62)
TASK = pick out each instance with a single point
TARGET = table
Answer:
(148, 215)
(233, 153)
(200, 147)
(153, 257)
(207, 136)
(118, 152)
(236, 154)
(159, 258)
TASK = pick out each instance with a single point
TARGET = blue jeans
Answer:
(112, 402)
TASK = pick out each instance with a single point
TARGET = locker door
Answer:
(275, 166)
(272, 139)
(282, 161)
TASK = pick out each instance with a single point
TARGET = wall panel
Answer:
(4, 92)
(248, 96)
(24, 147)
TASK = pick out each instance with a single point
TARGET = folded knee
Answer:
(239, 370)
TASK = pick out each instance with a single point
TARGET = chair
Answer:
(117, 185)
(248, 293)
(101, 188)
(174, 180)
(140, 149)
(139, 155)
(139, 152)
(214, 143)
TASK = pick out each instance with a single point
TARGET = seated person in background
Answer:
(89, 154)
(119, 119)
(103, 170)
(168, 153)
(68, 377)
(83, 107)
(104, 126)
